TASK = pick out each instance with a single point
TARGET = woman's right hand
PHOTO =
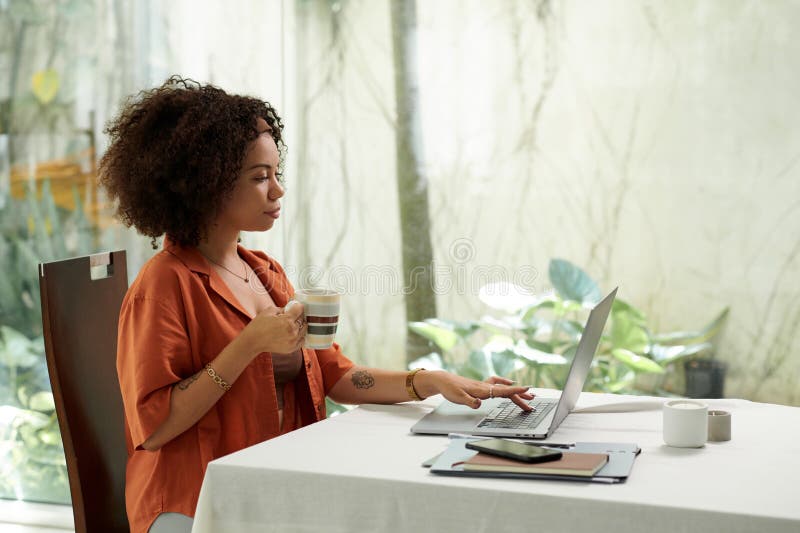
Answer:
(274, 330)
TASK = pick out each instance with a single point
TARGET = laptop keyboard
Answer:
(508, 415)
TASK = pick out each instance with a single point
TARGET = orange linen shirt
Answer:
(177, 316)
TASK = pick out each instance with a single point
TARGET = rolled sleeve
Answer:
(334, 365)
(153, 353)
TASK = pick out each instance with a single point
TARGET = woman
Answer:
(208, 361)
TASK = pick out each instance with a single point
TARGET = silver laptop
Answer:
(500, 417)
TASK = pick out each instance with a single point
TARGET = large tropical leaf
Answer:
(534, 357)
(636, 362)
(542, 346)
(621, 306)
(695, 337)
(622, 383)
(496, 325)
(432, 361)
(573, 328)
(530, 312)
(506, 362)
(479, 365)
(572, 283)
(627, 333)
(462, 329)
(441, 336)
(667, 354)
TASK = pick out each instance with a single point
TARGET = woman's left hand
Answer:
(469, 392)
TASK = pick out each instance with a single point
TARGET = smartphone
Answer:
(512, 449)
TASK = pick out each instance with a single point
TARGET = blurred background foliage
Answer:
(49, 210)
(533, 339)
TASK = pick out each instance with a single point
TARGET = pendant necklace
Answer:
(246, 277)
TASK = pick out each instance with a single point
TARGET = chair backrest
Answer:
(81, 300)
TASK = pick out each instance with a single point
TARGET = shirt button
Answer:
(319, 408)
(308, 365)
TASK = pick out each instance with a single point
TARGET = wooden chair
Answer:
(81, 300)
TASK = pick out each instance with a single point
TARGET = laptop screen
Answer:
(583, 358)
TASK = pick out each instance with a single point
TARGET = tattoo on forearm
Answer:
(362, 379)
(183, 385)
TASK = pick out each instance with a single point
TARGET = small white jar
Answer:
(685, 423)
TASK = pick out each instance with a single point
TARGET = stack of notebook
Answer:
(599, 462)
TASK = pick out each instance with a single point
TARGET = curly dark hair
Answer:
(175, 154)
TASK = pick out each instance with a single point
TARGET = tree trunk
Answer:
(412, 186)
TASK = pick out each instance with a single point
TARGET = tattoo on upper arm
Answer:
(183, 385)
(362, 379)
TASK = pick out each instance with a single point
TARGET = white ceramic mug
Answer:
(321, 315)
(685, 423)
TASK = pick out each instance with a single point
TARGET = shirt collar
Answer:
(276, 283)
(189, 256)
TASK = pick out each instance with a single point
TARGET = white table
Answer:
(360, 472)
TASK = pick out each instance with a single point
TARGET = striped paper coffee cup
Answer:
(322, 315)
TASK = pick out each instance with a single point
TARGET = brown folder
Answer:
(570, 464)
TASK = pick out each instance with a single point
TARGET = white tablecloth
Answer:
(360, 472)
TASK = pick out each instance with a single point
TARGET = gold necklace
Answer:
(246, 277)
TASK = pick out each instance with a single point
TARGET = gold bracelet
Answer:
(218, 380)
(412, 392)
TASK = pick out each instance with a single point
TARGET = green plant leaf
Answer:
(479, 364)
(466, 329)
(442, 337)
(636, 362)
(495, 325)
(621, 384)
(432, 361)
(45, 84)
(50, 436)
(535, 357)
(505, 362)
(498, 343)
(627, 333)
(332, 408)
(529, 312)
(568, 306)
(42, 401)
(542, 346)
(16, 349)
(695, 337)
(32, 419)
(621, 306)
(503, 325)
(462, 329)
(572, 283)
(572, 327)
(569, 353)
(668, 355)
(43, 454)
